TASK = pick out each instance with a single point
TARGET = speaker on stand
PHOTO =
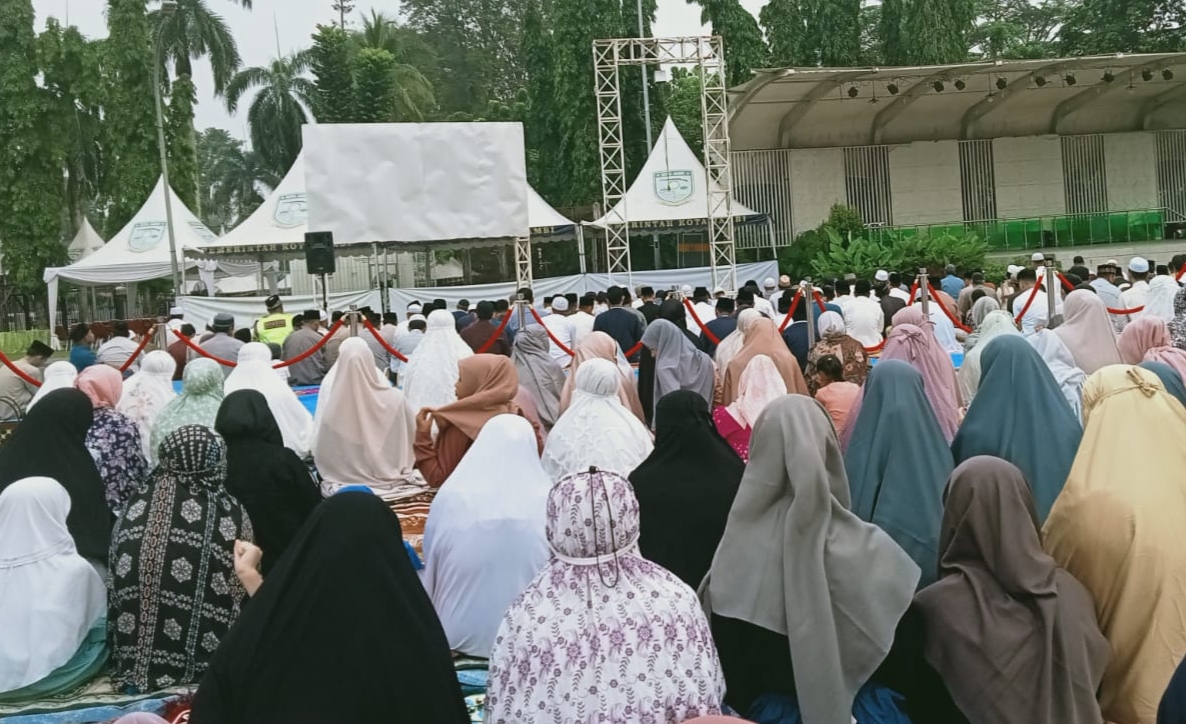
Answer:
(320, 260)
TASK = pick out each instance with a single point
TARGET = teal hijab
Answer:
(1169, 377)
(1021, 415)
(898, 463)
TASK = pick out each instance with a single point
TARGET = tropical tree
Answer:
(936, 31)
(412, 93)
(231, 179)
(785, 23)
(180, 142)
(282, 104)
(836, 31)
(195, 32)
(745, 49)
(129, 119)
(1132, 26)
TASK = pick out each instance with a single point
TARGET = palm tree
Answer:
(194, 32)
(282, 105)
(414, 97)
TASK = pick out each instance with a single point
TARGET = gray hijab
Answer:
(795, 560)
(678, 364)
(539, 373)
(980, 310)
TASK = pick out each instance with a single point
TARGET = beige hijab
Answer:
(1118, 528)
(364, 430)
(1087, 331)
(600, 345)
(762, 338)
(795, 560)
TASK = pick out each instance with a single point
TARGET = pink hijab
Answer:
(103, 384)
(1147, 339)
(140, 717)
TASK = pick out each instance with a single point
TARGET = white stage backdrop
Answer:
(199, 311)
(416, 182)
(578, 283)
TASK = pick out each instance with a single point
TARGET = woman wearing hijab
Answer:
(993, 325)
(431, 372)
(201, 395)
(254, 372)
(53, 604)
(1013, 635)
(539, 373)
(58, 376)
(486, 388)
(834, 340)
(731, 345)
(669, 311)
(344, 591)
(272, 483)
(1169, 378)
(595, 632)
(113, 439)
(484, 541)
(980, 311)
(935, 320)
(174, 590)
(898, 462)
(599, 345)
(1061, 364)
(761, 383)
(685, 488)
(1117, 528)
(363, 431)
(794, 554)
(1148, 338)
(146, 394)
(596, 430)
(1087, 331)
(761, 337)
(678, 365)
(51, 442)
(1022, 417)
(1178, 326)
(1159, 301)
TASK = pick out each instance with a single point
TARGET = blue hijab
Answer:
(1172, 381)
(898, 463)
(1021, 415)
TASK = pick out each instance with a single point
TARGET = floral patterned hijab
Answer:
(201, 395)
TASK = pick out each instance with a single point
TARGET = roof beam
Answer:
(896, 107)
(1163, 98)
(1084, 98)
(995, 101)
(800, 108)
(758, 84)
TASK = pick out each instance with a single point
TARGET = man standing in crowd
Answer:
(528, 317)
(16, 393)
(1105, 286)
(390, 327)
(479, 333)
(462, 315)
(951, 283)
(650, 310)
(334, 343)
(705, 307)
(412, 308)
(222, 344)
(722, 326)
(964, 300)
(407, 344)
(864, 318)
(276, 326)
(897, 289)
(179, 351)
(1134, 296)
(784, 284)
(1080, 270)
(311, 370)
(620, 323)
(1037, 315)
(81, 339)
(582, 319)
(760, 302)
(558, 325)
(176, 318)
(116, 351)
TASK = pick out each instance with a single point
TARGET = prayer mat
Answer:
(95, 701)
(413, 514)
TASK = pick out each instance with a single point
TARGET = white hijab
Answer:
(146, 393)
(50, 597)
(254, 372)
(363, 430)
(1061, 362)
(761, 383)
(735, 340)
(1159, 302)
(430, 376)
(485, 540)
(596, 429)
(58, 375)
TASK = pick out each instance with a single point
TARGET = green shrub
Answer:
(897, 252)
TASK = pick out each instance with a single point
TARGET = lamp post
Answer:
(168, 7)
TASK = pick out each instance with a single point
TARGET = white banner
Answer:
(199, 311)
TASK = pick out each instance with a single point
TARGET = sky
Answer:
(289, 25)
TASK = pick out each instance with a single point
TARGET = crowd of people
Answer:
(635, 506)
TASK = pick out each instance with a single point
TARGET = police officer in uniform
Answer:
(274, 328)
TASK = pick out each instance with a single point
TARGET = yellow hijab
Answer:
(1119, 526)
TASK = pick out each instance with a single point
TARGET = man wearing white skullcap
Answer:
(1134, 296)
(557, 323)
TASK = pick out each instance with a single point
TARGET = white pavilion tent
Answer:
(86, 242)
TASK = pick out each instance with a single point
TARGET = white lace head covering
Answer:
(596, 429)
(58, 375)
(254, 372)
(146, 393)
(761, 383)
(430, 377)
(732, 344)
(1159, 302)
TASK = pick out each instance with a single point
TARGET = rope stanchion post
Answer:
(924, 286)
(353, 320)
(1051, 290)
(805, 289)
(521, 311)
(162, 333)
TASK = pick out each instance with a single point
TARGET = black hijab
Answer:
(268, 479)
(675, 313)
(50, 442)
(341, 631)
(685, 488)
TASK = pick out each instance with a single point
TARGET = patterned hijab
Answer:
(1178, 325)
(760, 385)
(201, 395)
(174, 590)
(599, 345)
(146, 394)
(113, 439)
(583, 624)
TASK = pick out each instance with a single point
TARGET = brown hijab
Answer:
(600, 345)
(486, 387)
(1014, 636)
(762, 338)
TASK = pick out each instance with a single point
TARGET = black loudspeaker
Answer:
(319, 252)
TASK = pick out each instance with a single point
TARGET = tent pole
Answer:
(773, 243)
(581, 247)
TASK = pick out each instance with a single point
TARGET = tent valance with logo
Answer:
(671, 191)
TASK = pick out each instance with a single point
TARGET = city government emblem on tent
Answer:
(291, 210)
(673, 187)
(201, 230)
(146, 235)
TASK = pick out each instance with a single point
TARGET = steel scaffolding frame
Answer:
(708, 55)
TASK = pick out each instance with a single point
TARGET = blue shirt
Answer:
(82, 356)
(952, 285)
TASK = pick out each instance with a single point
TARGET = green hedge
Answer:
(14, 344)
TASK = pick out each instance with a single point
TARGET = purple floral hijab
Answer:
(598, 627)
